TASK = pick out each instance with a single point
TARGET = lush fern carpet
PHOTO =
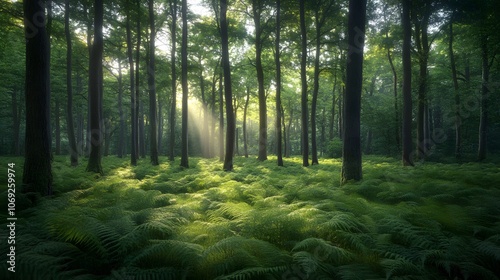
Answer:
(432, 221)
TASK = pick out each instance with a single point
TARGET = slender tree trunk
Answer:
(221, 120)
(37, 174)
(73, 152)
(133, 101)
(142, 134)
(303, 77)
(314, 148)
(140, 118)
(245, 109)
(407, 100)
(212, 121)
(279, 138)
(58, 126)
(152, 88)
(184, 149)
(257, 10)
(458, 149)
(332, 120)
(351, 151)
(205, 141)
(95, 88)
(483, 118)
(173, 108)
(231, 124)
(121, 140)
(288, 134)
(395, 91)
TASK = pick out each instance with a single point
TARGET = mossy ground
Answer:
(261, 221)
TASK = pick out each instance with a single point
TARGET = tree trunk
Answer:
(95, 88)
(395, 91)
(231, 124)
(16, 122)
(121, 140)
(173, 108)
(351, 151)
(140, 118)
(133, 100)
(458, 139)
(58, 126)
(279, 139)
(421, 40)
(257, 10)
(303, 77)
(245, 109)
(221, 120)
(314, 148)
(184, 140)
(73, 152)
(142, 134)
(37, 174)
(483, 118)
(407, 100)
(152, 88)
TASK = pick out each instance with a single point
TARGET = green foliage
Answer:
(263, 222)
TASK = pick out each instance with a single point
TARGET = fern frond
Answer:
(168, 253)
(256, 273)
(324, 251)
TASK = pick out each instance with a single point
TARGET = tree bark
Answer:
(95, 89)
(314, 148)
(152, 88)
(483, 118)
(407, 100)
(231, 124)
(37, 174)
(133, 101)
(279, 139)
(257, 10)
(73, 152)
(351, 150)
(173, 108)
(245, 109)
(140, 118)
(121, 140)
(303, 77)
(221, 120)
(184, 133)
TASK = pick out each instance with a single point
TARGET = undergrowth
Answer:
(433, 221)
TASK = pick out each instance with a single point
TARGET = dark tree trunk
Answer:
(221, 120)
(314, 147)
(458, 137)
(140, 118)
(228, 95)
(37, 174)
(184, 140)
(205, 141)
(303, 77)
(421, 40)
(95, 89)
(160, 125)
(351, 151)
(212, 119)
(395, 91)
(173, 108)
(58, 126)
(73, 152)
(279, 139)
(152, 88)
(133, 101)
(245, 109)
(121, 140)
(332, 119)
(257, 10)
(483, 118)
(407, 100)
(142, 132)
(288, 151)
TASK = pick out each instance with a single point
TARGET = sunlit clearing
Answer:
(201, 123)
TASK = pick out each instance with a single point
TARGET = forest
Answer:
(250, 139)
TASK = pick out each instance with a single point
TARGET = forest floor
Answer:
(261, 221)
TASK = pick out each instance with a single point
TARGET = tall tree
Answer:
(133, 101)
(228, 95)
(257, 8)
(173, 108)
(73, 152)
(351, 149)
(458, 139)
(95, 89)
(407, 101)
(485, 75)
(37, 174)
(184, 81)
(303, 78)
(279, 139)
(152, 87)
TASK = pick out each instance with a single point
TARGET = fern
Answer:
(168, 253)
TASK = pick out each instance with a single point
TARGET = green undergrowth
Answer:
(261, 221)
